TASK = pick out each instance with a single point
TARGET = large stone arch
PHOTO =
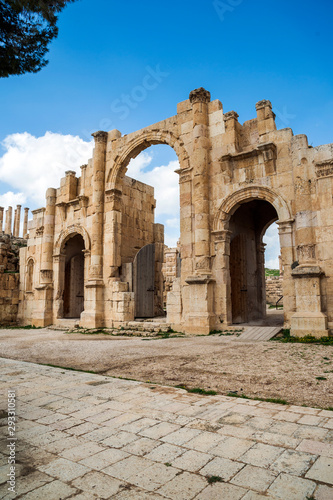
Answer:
(232, 202)
(139, 143)
(68, 233)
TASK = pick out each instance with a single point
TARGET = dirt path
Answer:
(267, 369)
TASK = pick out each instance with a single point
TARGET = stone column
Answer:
(9, 214)
(1, 219)
(222, 295)
(44, 291)
(25, 222)
(93, 314)
(17, 221)
(261, 283)
(199, 99)
(287, 260)
(48, 237)
(98, 205)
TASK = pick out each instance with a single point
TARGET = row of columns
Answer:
(10, 228)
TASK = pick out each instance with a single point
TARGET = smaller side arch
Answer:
(67, 233)
(232, 202)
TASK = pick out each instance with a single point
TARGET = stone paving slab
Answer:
(87, 436)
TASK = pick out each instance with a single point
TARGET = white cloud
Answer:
(272, 251)
(33, 164)
(163, 178)
(174, 223)
(12, 199)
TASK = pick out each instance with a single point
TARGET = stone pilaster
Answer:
(230, 138)
(25, 222)
(265, 119)
(8, 226)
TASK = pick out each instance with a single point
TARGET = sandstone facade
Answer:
(235, 180)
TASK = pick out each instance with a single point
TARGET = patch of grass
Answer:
(167, 464)
(272, 272)
(307, 339)
(197, 390)
(321, 378)
(214, 479)
(266, 400)
(226, 332)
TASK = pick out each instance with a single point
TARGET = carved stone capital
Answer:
(100, 136)
(231, 115)
(114, 197)
(263, 104)
(199, 95)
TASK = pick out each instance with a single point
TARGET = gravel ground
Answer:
(265, 369)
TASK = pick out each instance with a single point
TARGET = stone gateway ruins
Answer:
(95, 253)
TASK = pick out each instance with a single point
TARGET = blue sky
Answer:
(242, 51)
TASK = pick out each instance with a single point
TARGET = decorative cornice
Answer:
(199, 95)
(324, 168)
(100, 136)
(268, 149)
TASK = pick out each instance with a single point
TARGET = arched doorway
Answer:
(73, 301)
(247, 261)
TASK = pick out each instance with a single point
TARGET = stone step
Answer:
(148, 326)
(258, 333)
(65, 324)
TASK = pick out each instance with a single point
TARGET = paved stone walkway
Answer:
(87, 436)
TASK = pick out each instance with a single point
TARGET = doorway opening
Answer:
(74, 277)
(248, 225)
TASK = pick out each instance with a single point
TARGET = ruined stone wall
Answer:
(9, 278)
(274, 289)
(138, 204)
